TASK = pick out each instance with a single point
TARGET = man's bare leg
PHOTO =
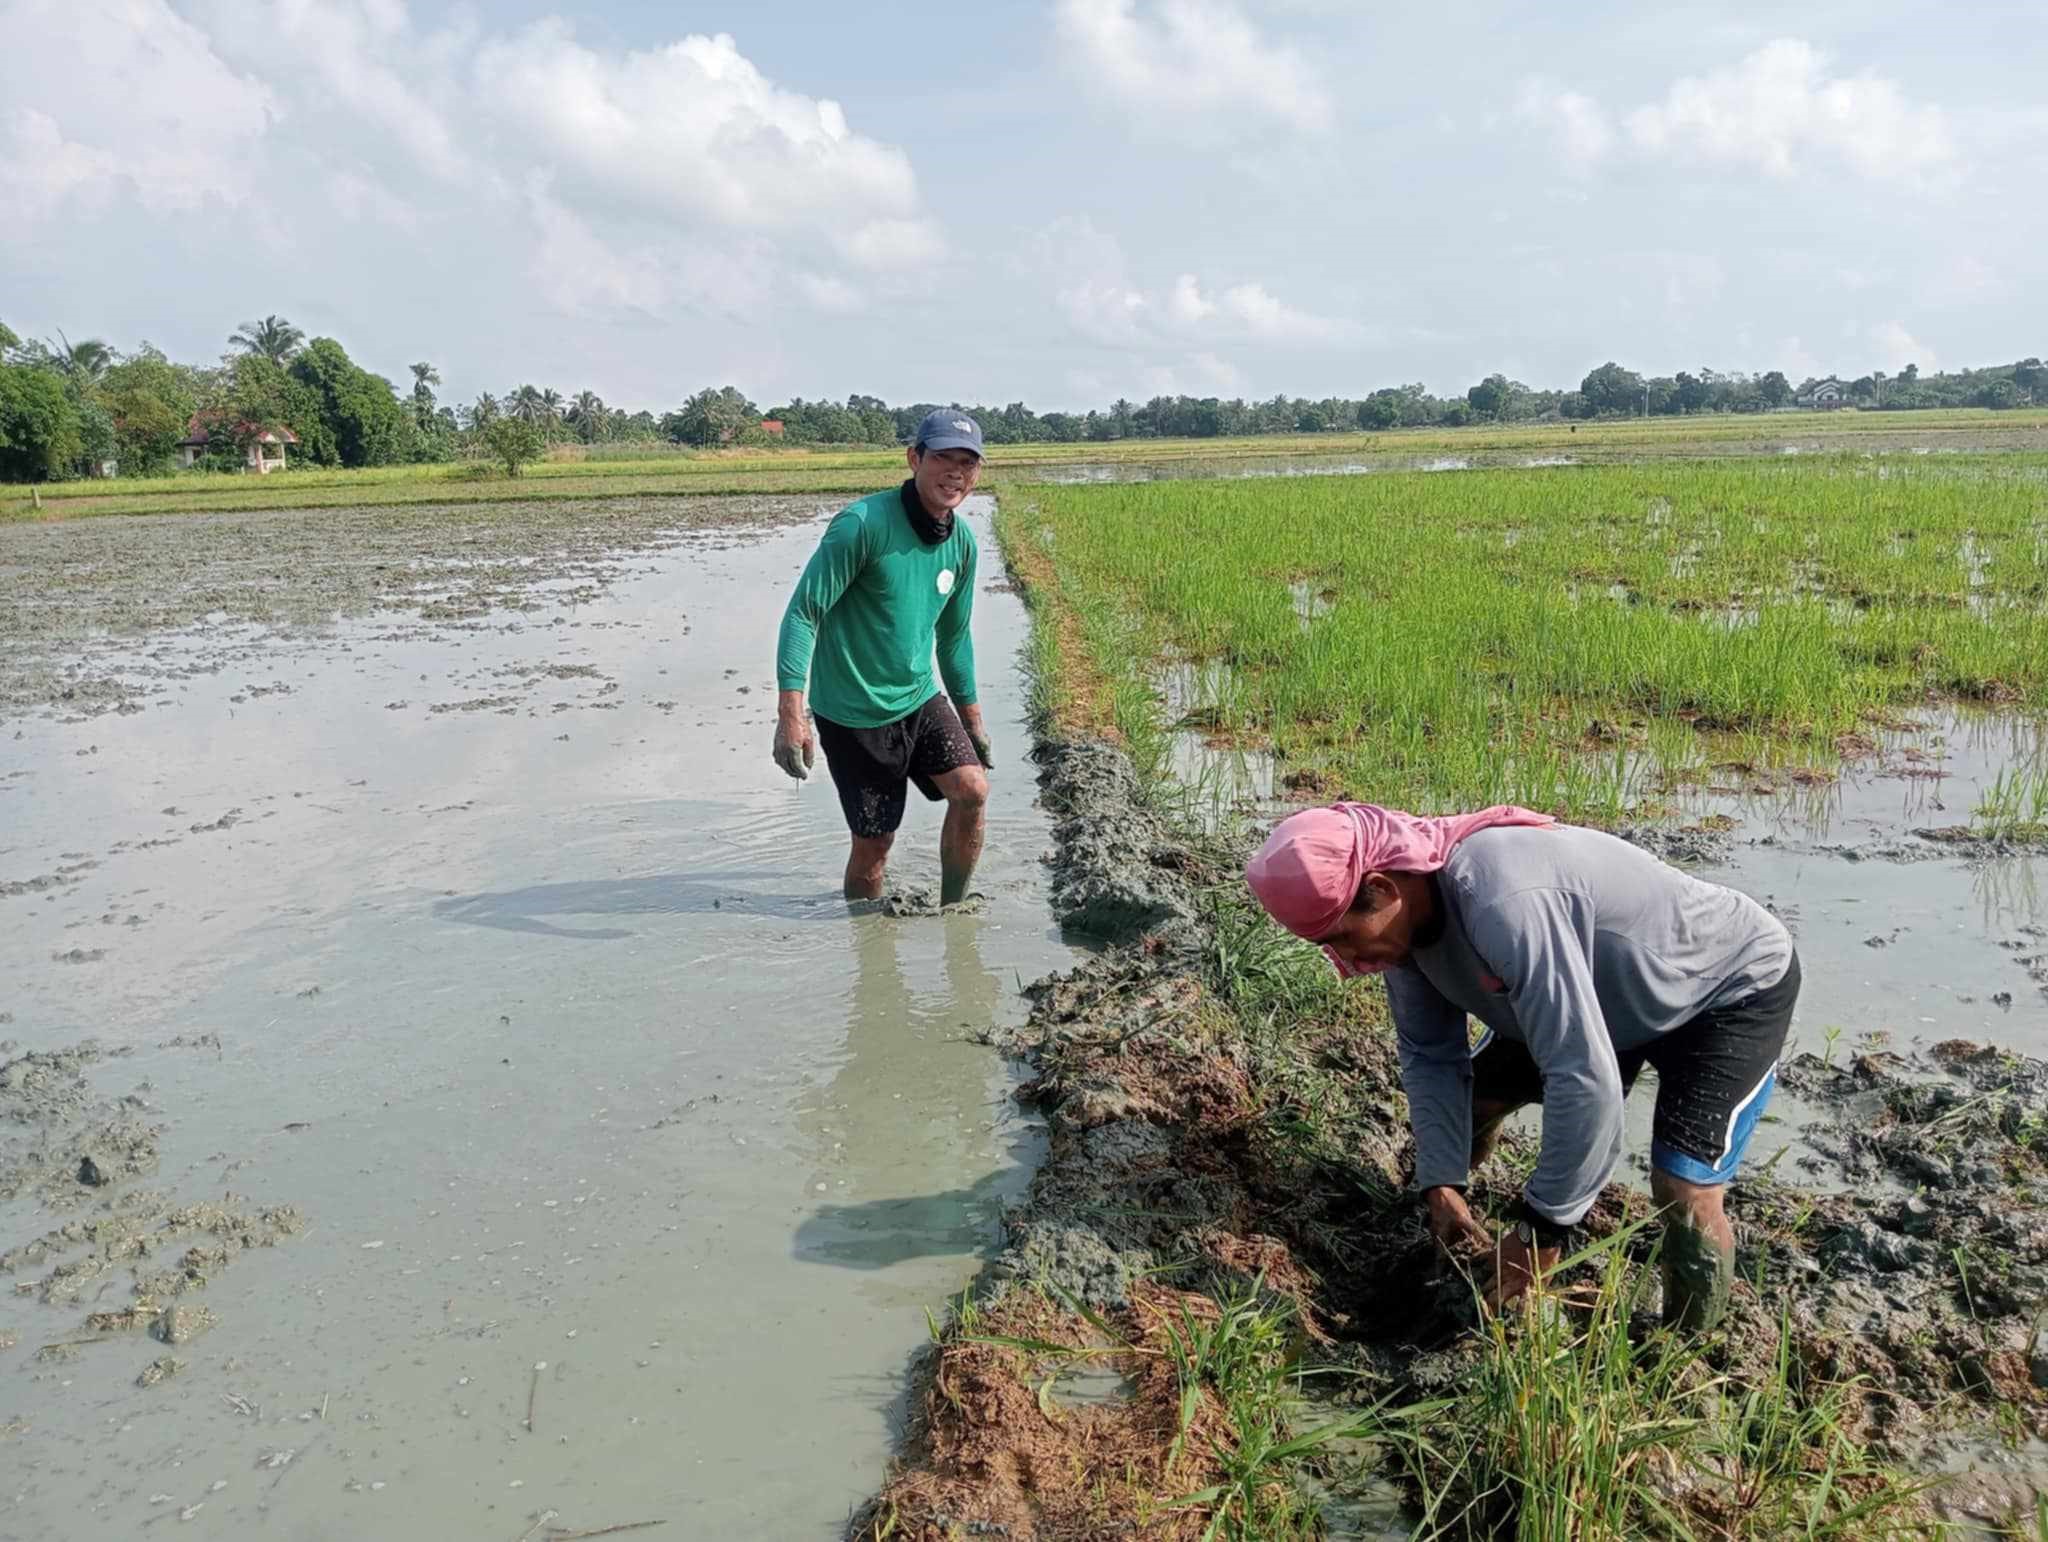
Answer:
(866, 866)
(1487, 1118)
(1699, 1251)
(966, 792)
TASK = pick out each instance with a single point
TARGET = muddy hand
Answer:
(1454, 1226)
(796, 750)
(983, 749)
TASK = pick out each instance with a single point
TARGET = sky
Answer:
(1054, 201)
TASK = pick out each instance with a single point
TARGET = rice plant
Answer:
(1581, 639)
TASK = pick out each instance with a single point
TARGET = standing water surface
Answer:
(517, 968)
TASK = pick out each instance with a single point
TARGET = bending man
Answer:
(1586, 959)
(892, 576)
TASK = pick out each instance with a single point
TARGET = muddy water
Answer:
(1902, 938)
(532, 992)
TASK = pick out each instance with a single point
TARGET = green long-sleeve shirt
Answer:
(871, 603)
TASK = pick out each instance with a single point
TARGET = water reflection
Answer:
(908, 1104)
(665, 894)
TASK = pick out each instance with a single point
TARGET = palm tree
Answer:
(529, 403)
(483, 410)
(273, 337)
(424, 378)
(552, 400)
(87, 359)
(589, 413)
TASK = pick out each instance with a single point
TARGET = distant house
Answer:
(772, 426)
(263, 448)
(1827, 396)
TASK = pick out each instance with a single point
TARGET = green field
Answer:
(611, 472)
(1577, 639)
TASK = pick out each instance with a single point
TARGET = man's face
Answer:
(1379, 937)
(944, 477)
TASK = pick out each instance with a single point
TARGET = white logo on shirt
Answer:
(945, 580)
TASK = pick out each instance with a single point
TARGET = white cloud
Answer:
(346, 46)
(1093, 290)
(639, 178)
(895, 244)
(1799, 362)
(693, 130)
(1202, 374)
(356, 197)
(1691, 279)
(40, 170)
(1583, 132)
(1201, 63)
(1780, 109)
(1186, 306)
(578, 271)
(1248, 311)
(1273, 321)
(106, 95)
(832, 295)
(1896, 348)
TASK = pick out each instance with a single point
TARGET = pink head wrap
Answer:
(1309, 870)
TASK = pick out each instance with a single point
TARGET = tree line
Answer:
(73, 409)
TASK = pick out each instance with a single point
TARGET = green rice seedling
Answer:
(1473, 630)
(1572, 1428)
(2015, 804)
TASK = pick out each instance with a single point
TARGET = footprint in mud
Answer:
(908, 903)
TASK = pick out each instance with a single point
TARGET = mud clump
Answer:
(915, 904)
(65, 1147)
(163, 1368)
(182, 1324)
(1116, 871)
(1706, 844)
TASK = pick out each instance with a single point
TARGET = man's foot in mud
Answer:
(922, 902)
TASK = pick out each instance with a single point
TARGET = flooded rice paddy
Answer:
(480, 1036)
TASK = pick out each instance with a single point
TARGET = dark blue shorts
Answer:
(1714, 1080)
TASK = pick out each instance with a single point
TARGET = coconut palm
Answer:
(530, 404)
(589, 413)
(425, 375)
(552, 400)
(273, 337)
(85, 360)
(484, 410)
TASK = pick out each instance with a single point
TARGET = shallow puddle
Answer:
(502, 952)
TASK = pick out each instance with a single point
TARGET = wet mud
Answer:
(356, 1058)
(75, 595)
(1898, 1243)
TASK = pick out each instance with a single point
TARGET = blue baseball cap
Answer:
(948, 428)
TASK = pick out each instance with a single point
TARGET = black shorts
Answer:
(871, 766)
(1714, 1078)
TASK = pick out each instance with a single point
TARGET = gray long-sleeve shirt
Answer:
(1582, 947)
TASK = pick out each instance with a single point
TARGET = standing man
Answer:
(893, 575)
(1587, 959)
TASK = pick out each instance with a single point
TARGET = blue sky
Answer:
(1061, 201)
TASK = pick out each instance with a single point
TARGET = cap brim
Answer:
(951, 443)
